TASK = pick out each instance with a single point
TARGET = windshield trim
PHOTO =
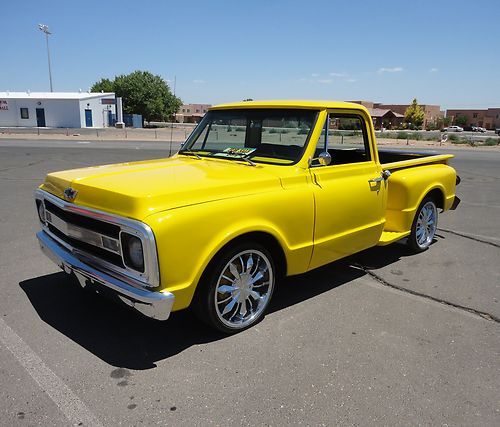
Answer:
(199, 128)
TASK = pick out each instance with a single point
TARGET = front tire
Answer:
(237, 289)
(424, 226)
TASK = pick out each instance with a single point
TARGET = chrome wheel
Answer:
(244, 289)
(426, 225)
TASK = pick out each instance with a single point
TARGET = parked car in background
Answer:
(480, 129)
(497, 131)
(453, 129)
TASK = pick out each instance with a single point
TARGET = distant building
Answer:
(56, 109)
(191, 113)
(431, 112)
(488, 118)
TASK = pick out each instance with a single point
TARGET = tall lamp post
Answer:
(45, 29)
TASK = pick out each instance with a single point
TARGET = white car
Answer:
(453, 129)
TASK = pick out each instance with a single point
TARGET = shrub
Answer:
(491, 141)
(455, 139)
(229, 128)
(273, 130)
(416, 136)
(239, 129)
(401, 135)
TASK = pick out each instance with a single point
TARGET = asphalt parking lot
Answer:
(384, 337)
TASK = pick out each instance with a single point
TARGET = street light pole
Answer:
(45, 29)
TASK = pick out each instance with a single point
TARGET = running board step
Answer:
(389, 237)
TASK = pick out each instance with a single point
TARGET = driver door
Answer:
(349, 193)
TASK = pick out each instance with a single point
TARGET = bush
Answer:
(416, 136)
(455, 139)
(239, 129)
(273, 130)
(491, 141)
(401, 135)
(229, 128)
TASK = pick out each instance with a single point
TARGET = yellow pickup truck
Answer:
(258, 191)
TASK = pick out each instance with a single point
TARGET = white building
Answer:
(56, 109)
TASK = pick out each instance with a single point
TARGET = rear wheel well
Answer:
(437, 196)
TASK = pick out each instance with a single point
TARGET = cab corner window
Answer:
(347, 140)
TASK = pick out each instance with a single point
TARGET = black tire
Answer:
(245, 299)
(422, 230)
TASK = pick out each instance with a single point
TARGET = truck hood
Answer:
(139, 189)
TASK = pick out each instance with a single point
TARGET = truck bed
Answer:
(391, 160)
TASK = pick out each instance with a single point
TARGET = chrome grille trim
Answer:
(82, 234)
(151, 275)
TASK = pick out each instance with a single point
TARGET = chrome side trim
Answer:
(151, 275)
(156, 305)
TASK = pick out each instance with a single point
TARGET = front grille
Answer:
(100, 227)
(94, 237)
(110, 257)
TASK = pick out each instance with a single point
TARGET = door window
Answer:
(347, 140)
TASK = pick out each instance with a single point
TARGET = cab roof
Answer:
(308, 104)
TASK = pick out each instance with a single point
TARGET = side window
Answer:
(24, 113)
(347, 139)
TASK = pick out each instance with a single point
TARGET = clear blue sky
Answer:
(441, 51)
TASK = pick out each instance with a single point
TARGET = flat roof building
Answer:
(191, 113)
(487, 118)
(56, 109)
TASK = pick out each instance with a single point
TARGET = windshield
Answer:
(276, 136)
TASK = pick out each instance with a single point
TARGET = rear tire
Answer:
(236, 289)
(424, 226)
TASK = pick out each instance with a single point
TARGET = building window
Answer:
(189, 110)
(474, 115)
(25, 113)
(183, 110)
(197, 111)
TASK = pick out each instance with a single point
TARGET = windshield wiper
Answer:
(241, 157)
(189, 152)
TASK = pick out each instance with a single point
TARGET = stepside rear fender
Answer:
(408, 187)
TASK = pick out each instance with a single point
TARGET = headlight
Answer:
(133, 254)
(41, 211)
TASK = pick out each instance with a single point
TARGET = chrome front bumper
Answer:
(156, 305)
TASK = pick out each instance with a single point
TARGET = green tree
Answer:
(103, 85)
(143, 93)
(461, 121)
(414, 115)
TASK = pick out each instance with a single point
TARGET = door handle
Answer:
(383, 176)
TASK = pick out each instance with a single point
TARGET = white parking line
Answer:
(68, 402)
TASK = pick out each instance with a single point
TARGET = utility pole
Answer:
(45, 29)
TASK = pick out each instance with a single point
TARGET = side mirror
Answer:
(324, 158)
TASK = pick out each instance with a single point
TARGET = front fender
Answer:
(188, 238)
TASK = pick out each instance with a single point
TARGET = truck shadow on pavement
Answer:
(124, 338)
